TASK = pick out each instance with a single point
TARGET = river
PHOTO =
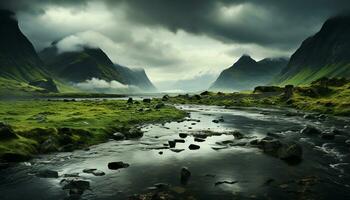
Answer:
(323, 173)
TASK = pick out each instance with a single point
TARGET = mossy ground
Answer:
(77, 123)
(335, 100)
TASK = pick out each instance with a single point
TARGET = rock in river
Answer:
(310, 130)
(183, 135)
(47, 174)
(117, 165)
(118, 136)
(193, 147)
(185, 175)
(290, 152)
(172, 144)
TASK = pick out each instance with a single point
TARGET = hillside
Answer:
(18, 59)
(88, 63)
(324, 54)
(247, 73)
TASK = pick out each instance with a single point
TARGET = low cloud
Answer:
(72, 43)
(101, 85)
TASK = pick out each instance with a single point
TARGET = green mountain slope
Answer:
(88, 63)
(18, 59)
(247, 73)
(324, 54)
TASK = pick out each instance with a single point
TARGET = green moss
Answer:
(79, 123)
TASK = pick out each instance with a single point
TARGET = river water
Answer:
(324, 172)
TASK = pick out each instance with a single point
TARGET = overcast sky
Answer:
(179, 39)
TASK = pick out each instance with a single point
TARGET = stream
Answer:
(219, 170)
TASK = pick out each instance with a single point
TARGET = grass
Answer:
(334, 100)
(77, 123)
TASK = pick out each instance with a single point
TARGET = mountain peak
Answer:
(245, 60)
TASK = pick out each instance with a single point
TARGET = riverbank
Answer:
(324, 97)
(30, 127)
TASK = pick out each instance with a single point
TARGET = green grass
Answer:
(89, 122)
(335, 101)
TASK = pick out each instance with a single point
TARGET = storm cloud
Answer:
(178, 39)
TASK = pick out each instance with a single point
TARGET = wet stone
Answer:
(199, 140)
(185, 175)
(183, 135)
(172, 144)
(47, 174)
(117, 165)
(193, 147)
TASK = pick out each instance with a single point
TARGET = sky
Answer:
(176, 42)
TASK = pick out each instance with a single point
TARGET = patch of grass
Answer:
(77, 123)
(333, 100)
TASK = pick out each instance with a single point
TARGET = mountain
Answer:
(18, 58)
(324, 54)
(89, 62)
(247, 73)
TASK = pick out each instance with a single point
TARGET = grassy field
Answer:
(44, 126)
(333, 100)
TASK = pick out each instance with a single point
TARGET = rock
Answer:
(215, 121)
(130, 101)
(291, 152)
(309, 130)
(47, 174)
(177, 150)
(118, 136)
(48, 145)
(147, 100)
(185, 175)
(193, 147)
(225, 182)
(89, 171)
(183, 135)
(199, 140)
(159, 106)
(254, 142)
(179, 141)
(328, 135)
(347, 142)
(135, 133)
(75, 175)
(98, 173)
(75, 184)
(165, 97)
(238, 135)
(270, 146)
(172, 144)
(6, 132)
(117, 165)
(160, 153)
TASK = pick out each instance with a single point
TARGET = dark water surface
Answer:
(324, 172)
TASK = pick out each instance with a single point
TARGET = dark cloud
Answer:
(277, 23)
(281, 23)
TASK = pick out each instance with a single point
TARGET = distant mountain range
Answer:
(327, 53)
(247, 73)
(21, 66)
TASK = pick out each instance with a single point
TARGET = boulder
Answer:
(118, 136)
(165, 97)
(98, 173)
(328, 135)
(147, 100)
(135, 133)
(6, 132)
(194, 147)
(130, 101)
(172, 144)
(47, 174)
(290, 152)
(215, 121)
(185, 175)
(117, 165)
(310, 130)
(238, 135)
(270, 146)
(183, 135)
(199, 140)
(159, 106)
(179, 141)
(49, 145)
